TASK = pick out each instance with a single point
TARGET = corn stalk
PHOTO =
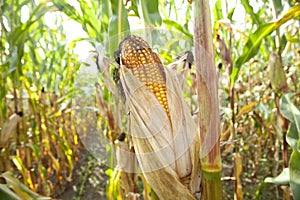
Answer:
(208, 102)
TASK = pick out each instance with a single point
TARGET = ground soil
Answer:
(89, 179)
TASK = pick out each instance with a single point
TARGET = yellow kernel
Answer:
(135, 72)
(142, 75)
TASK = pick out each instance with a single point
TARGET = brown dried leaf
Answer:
(225, 54)
(8, 129)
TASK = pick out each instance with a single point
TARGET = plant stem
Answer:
(211, 184)
(209, 121)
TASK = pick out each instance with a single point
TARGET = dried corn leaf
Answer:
(8, 129)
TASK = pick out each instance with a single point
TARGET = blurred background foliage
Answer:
(258, 55)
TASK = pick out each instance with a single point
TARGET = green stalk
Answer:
(209, 121)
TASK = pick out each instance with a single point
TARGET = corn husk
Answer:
(167, 149)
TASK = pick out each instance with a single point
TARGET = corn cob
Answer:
(136, 55)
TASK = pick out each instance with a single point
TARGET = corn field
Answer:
(112, 99)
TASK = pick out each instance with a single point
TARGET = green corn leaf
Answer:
(68, 9)
(7, 194)
(283, 42)
(292, 137)
(291, 112)
(218, 14)
(90, 20)
(118, 24)
(150, 12)
(252, 46)
(230, 13)
(20, 33)
(20, 165)
(178, 27)
(20, 189)
(249, 10)
(278, 5)
(106, 13)
(134, 7)
(292, 39)
(282, 178)
(87, 16)
(16, 185)
(295, 174)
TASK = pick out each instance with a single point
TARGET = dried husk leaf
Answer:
(127, 164)
(114, 119)
(182, 66)
(167, 149)
(103, 65)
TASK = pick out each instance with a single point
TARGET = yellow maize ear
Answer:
(167, 150)
(136, 55)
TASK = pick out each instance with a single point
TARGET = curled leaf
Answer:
(282, 178)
